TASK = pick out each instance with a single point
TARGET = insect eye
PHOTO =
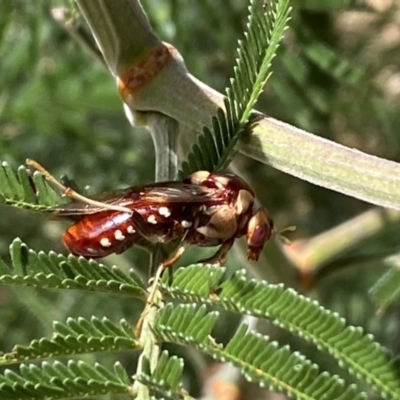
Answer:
(259, 231)
(258, 236)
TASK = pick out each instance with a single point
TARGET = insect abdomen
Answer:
(100, 234)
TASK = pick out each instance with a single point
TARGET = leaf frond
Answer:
(335, 5)
(215, 148)
(327, 59)
(387, 289)
(56, 271)
(260, 360)
(23, 190)
(60, 381)
(166, 379)
(76, 336)
(198, 323)
(354, 350)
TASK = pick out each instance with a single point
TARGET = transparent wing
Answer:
(142, 196)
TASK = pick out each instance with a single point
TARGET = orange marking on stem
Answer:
(135, 76)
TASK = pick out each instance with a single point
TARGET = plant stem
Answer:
(312, 254)
(121, 29)
(166, 169)
(124, 35)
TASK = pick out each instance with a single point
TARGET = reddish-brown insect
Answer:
(206, 209)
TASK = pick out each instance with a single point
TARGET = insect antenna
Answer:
(69, 192)
(283, 238)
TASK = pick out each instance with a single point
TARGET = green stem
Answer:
(166, 169)
(312, 254)
(121, 29)
(121, 26)
(324, 163)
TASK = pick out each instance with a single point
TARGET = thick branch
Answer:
(123, 33)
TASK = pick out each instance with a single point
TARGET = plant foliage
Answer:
(76, 336)
(29, 268)
(201, 287)
(59, 381)
(166, 379)
(26, 190)
(260, 360)
(387, 289)
(215, 148)
(200, 284)
(354, 350)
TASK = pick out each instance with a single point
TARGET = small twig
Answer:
(308, 256)
(72, 24)
(124, 34)
(164, 134)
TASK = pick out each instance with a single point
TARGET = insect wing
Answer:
(78, 208)
(177, 192)
(143, 196)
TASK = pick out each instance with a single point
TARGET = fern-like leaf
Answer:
(335, 5)
(166, 379)
(76, 336)
(387, 289)
(60, 381)
(215, 150)
(354, 350)
(51, 270)
(260, 360)
(327, 59)
(25, 191)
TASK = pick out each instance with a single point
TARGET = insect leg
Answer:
(220, 256)
(156, 280)
(68, 192)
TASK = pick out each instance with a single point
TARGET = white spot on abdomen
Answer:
(151, 219)
(164, 211)
(105, 242)
(118, 235)
(130, 229)
(186, 224)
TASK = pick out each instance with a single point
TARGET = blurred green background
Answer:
(337, 75)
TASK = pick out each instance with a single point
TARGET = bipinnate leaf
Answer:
(26, 190)
(260, 360)
(60, 381)
(76, 336)
(350, 346)
(215, 147)
(166, 379)
(387, 289)
(56, 271)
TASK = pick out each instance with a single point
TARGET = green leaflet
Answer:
(58, 381)
(387, 289)
(353, 349)
(259, 360)
(51, 270)
(76, 336)
(216, 147)
(166, 379)
(27, 191)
